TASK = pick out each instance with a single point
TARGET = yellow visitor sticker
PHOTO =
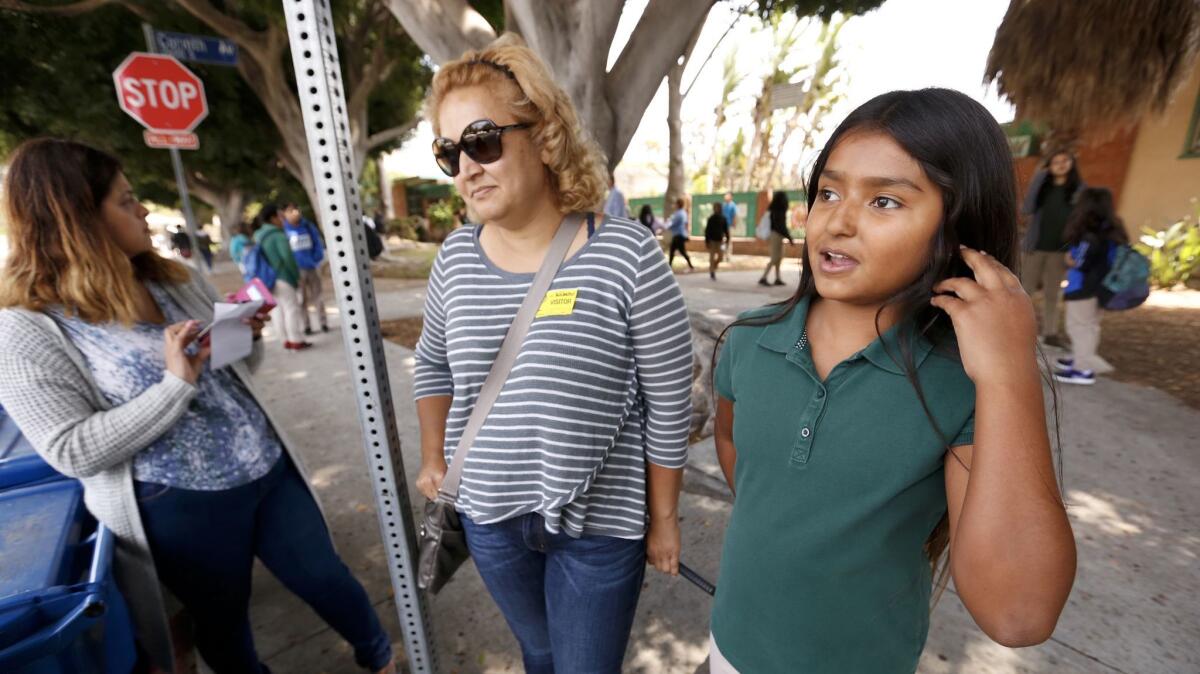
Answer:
(558, 303)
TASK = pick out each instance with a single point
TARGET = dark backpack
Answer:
(1127, 283)
(256, 265)
(374, 242)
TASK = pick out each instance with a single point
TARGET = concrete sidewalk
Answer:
(1132, 475)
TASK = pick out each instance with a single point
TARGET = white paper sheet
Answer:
(231, 339)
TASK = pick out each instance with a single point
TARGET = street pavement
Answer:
(1131, 474)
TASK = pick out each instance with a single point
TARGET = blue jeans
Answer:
(569, 601)
(204, 544)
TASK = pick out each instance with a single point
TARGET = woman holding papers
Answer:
(101, 371)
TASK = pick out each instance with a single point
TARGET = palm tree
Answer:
(1100, 63)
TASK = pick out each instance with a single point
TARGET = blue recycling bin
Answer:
(60, 610)
(19, 464)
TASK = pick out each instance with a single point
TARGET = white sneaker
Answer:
(1085, 377)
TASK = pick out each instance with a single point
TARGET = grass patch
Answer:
(405, 263)
(403, 331)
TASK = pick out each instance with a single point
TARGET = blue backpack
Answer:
(1127, 283)
(256, 265)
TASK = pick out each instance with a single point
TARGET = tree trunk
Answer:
(228, 203)
(444, 29)
(573, 39)
(761, 137)
(385, 194)
(676, 180)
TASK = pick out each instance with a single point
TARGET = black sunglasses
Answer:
(480, 140)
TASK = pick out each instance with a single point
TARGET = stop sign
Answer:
(160, 93)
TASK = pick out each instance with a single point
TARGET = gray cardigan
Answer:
(1030, 207)
(49, 392)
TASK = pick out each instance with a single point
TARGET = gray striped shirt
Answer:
(593, 394)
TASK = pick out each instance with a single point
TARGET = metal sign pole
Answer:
(189, 218)
(323, 103)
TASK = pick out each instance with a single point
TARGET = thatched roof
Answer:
(1078, 64)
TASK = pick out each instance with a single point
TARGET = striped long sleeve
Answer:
(431, 374)
(662, 351)
(600, 386)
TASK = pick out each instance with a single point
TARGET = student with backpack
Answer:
(238, 243)
(888, 420)
(1094, 236)
(308, 248)
(271, 244)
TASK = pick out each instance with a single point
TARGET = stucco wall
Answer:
(1159, 184)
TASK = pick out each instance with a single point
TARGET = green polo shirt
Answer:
(839, 484)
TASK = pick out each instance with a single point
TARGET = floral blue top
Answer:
(222, 441)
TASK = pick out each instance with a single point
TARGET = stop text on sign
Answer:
(153, 93)
(160, 93)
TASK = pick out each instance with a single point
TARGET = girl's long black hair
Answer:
(963, 151)
(778, 209)
(1073, 178)
(1094, 218)
(646, 215)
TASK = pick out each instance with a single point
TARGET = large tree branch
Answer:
(553, 31)
(73, 9)
(355, 38)
(572, 37)
(444, 29)
(246, 37)
(389, 135)
(375, 69)
(197, 180)
(661, 35)
(511, 25)
(204, 190)
(266, 74)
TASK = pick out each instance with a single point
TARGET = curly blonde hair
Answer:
(577, 168)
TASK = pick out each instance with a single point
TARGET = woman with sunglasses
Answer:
(572, 483)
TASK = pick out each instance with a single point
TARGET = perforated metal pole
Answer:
(323, 102)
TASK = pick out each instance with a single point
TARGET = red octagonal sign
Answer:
(160, 93)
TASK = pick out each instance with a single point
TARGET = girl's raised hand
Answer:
(993, 320)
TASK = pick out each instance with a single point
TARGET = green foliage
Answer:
(406, 227)
(492, 10)
(65, 89)
(442, 215)
(824, 9)
(368, 184)
(1174, 252)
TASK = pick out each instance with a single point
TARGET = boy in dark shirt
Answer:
(716, 233)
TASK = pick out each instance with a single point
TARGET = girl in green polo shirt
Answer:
(890, 414)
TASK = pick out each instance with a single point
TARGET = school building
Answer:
(1153, 167)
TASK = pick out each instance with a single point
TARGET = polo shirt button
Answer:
(804, 432)
(821, 393)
